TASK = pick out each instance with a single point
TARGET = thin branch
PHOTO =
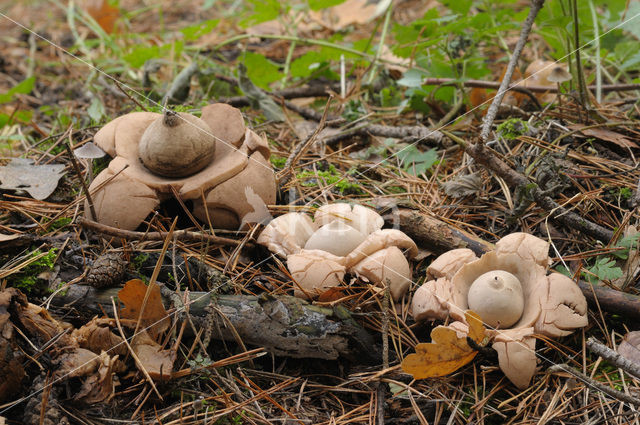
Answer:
(488, 158)
(536, 5)
(613, 357)
(594, 384)
(154, 236)
(76, 168)
(297, 151)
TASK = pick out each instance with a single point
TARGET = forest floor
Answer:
(569, 176)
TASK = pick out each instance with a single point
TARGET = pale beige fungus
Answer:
(212, 166)
(553, 305)
(341, 239)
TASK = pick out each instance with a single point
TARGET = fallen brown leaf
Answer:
(104, 13)
(154, 316)
(629, 348)
(100, 386)
(97, 338)
(157, 362)
(606, 135)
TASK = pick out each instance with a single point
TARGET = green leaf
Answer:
(23, 87)
(412, 78)
(260, 70)
(96, 109)
(460, 6)
(563, 270)
(263, 11)
(604, 269)
(417, 162)
(23, 116)
(208, 4)
(194, 32)
(257, 98)
(142, 53)
(632, 26)
(306, 64)
(323, 4)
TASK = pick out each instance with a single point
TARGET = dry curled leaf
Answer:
(104, 13)
(100, 386)
(605, 134)
(154, 316)
(97, 337)
(463, 185)
(447, 352)
(629, 348)
(38, 180)
(157, 362)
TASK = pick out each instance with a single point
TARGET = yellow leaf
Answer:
(476, 328)
(446, 353)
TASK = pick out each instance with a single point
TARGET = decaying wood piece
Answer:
(438, 236)
(284, 325)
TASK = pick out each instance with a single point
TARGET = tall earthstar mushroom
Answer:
(342, 239)
(215, 161)
(541, 303)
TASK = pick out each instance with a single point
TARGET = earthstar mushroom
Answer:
(342, 239)
(212, 161)
(553, 305)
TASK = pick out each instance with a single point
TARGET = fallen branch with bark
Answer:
(284, 325)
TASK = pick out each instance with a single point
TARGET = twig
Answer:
(154, 236)
(414, 132)
(314, 90)
(131, 98)
(301, 147)
(76, 167)
(594, 384)
(487, 157)
(596, 347)
(584, 101)
(536, 5)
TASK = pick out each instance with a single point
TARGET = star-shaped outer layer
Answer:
(553, 304)
(126, 192)
(379, 258)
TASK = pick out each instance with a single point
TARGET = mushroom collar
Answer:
(552, 304)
